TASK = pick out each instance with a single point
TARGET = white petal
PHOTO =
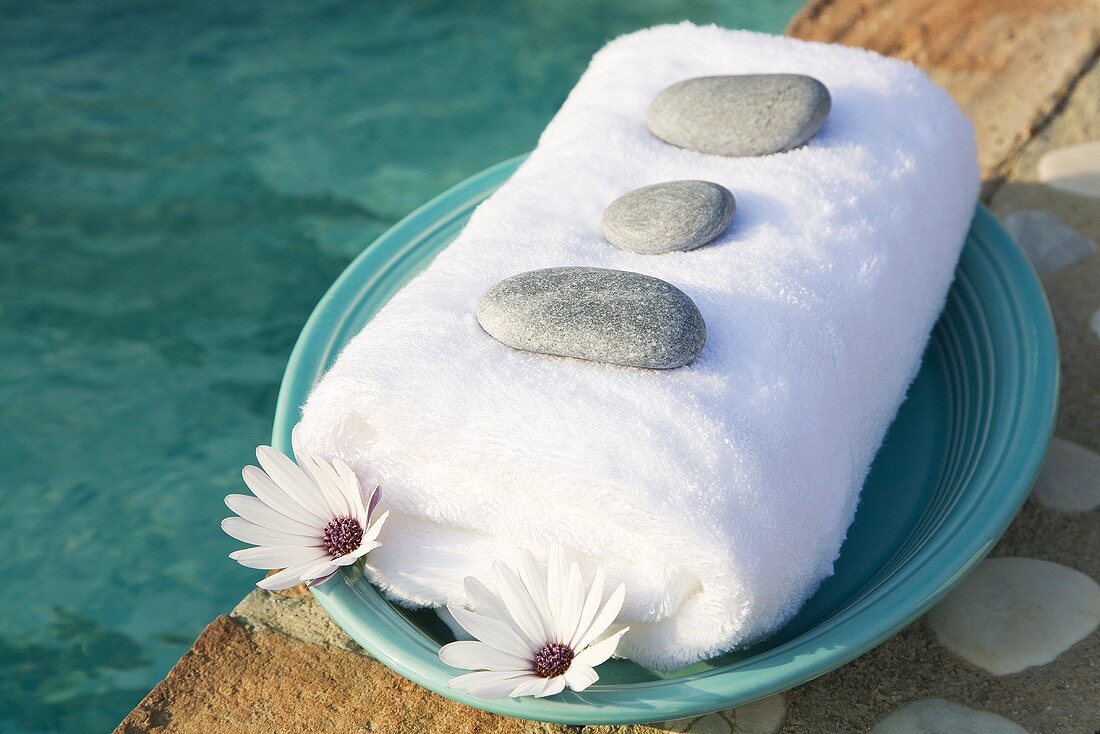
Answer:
(249, 532)
(318, 580)
(580, 676)
(516, 597)
(355, 555)
(376, 527)
(603, 620)
(492, 632)
(534, 578)
(350, 488)
(600, 652)
(284, 579)
(472, 655)
(313, 464)
(591, 606)
(276, 498)
(572, 604)
(279, 556)
(254, 509)
(330, 492)
(553, 687)
(485, 601)
(487, 684)
(533, 686)
(296, 444)
(557, 573)
(292, 480)
(370, 499)
(310, 464)
(317, 571)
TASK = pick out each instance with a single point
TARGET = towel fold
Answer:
(719, 492)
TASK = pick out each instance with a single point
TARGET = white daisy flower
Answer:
(534, 635)
(308, 519)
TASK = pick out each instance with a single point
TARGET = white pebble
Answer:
(711, 724)
(937, 716)
(1049, 243)
(1013, 613)
(765, 716)
(1070, 478)
(1075, 169)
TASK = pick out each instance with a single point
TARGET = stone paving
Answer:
(277, 663)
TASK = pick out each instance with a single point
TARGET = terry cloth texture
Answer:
(719, 492)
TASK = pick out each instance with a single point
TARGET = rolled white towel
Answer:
(719, 492)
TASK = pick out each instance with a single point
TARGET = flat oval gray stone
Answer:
(597, 314)
(744, 115)
(670, 216)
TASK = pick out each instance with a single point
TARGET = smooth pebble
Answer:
(1013, 613)
(1070, 478)
(667, 217)
(937, 716)
(1049, 243)
(1075, 168)
(741, 115)
(765, 716)
(596, 314)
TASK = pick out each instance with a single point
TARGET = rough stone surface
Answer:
(1048, 242)
(937, 716)
(247, 680)
(1070, 479)
(1075, 169)
(668, 217)
(1073, 292)
(740, 115)
(294, 614)
(985, 52)
(596, 314)
(1013, 613)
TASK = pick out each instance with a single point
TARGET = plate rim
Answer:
(837, 641)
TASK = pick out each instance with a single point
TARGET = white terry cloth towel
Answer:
(719, 492)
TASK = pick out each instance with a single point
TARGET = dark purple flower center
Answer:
(553, 659)
(342, 535)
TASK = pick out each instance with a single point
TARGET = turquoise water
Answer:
(179, 183)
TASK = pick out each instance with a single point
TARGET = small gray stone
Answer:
(597, 314)
(744, 115)
(666, 217)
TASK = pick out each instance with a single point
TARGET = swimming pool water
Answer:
(179, 183)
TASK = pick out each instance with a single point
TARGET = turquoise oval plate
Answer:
(955, 467)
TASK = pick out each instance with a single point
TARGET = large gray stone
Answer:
(596, 314)
(670, 216)
(744, 115)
